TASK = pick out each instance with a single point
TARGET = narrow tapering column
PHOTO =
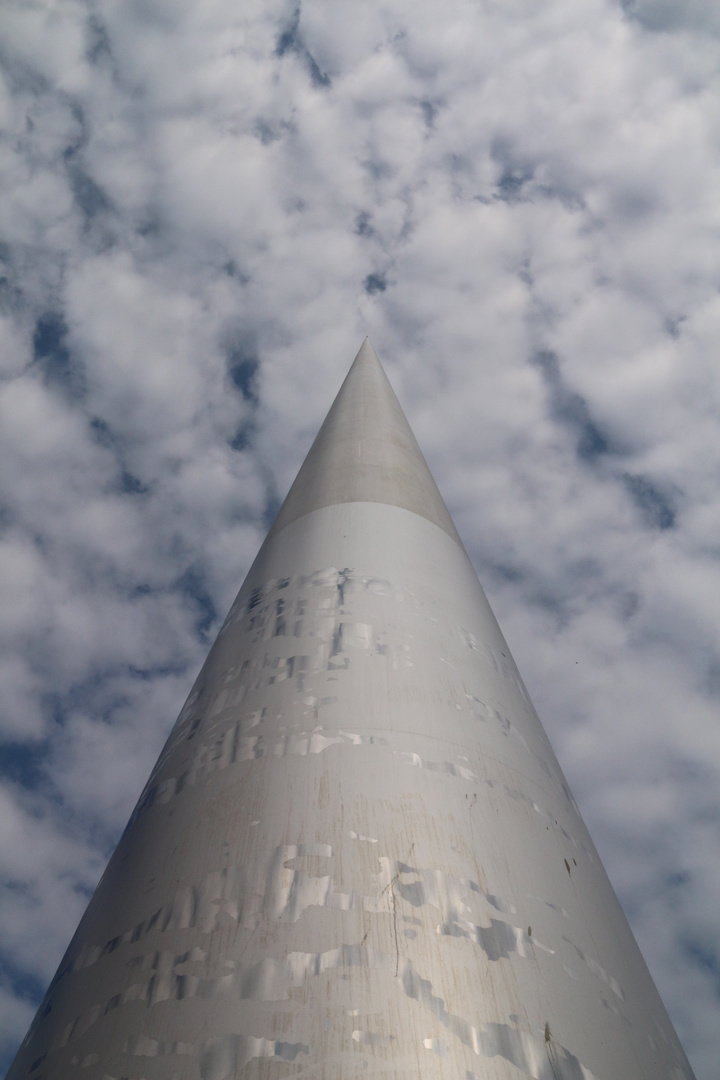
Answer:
(357, 855)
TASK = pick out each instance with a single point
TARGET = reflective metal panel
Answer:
(357, 854)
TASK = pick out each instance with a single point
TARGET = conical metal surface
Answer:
(365, 452)
(357, 855)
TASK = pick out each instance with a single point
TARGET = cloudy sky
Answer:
(206, 205)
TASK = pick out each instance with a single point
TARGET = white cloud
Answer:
(206, 208)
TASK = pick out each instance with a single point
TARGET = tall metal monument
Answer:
(357, 856)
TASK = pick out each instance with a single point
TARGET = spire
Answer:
(357, 856)
(365, 452)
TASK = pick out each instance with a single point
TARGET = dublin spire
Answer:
(357, 855)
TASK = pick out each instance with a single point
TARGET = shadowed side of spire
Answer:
(365, 452)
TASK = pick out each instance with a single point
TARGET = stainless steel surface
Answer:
(365, 452)
(357, 854)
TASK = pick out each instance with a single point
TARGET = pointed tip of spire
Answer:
(366, 352)
(365, 452)
(366, 357)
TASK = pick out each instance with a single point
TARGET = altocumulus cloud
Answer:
(206, 207)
